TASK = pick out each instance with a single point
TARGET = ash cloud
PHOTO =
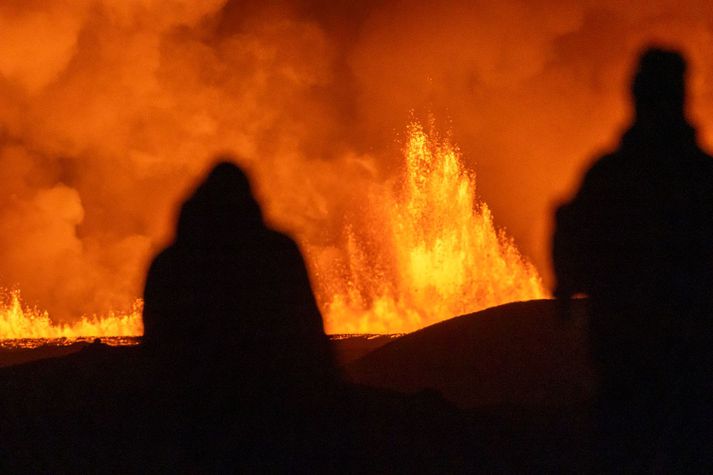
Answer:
(110, 110)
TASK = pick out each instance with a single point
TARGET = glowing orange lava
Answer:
(427, 252)
(18, 321)
(422, 250)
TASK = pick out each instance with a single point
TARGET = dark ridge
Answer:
(520, 353)
(346, 348)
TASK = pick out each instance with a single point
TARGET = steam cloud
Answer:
(110, 110)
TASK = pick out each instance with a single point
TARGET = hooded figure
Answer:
(229, 288)
(641, 221)
(243, 369)
(637, 238)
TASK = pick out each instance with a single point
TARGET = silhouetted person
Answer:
(230, 314)
(638, 240)
(228, 281)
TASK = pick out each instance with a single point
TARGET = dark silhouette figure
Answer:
(230, 314)
(229, 282)
(638, 240)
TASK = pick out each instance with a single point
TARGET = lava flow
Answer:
(19, 322)
(423, 250)
(426, 251)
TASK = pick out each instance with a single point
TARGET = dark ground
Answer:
(518, 354)
(347, 348)
(516, 381)
(521, 373)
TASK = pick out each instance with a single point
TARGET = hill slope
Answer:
(521, 354)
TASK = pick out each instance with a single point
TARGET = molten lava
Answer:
(427, 251)
(422, 250)
(110, 110)
(18, 321)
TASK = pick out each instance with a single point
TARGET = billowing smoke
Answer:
(110, 110)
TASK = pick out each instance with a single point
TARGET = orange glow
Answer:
(18, 321)
(111, 110)
(428, 251)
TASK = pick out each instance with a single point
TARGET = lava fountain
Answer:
(422, 249)
(18, 321)
(426, 250)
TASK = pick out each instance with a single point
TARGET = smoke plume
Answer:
(110, 111)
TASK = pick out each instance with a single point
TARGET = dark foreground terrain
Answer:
(347, 348)
(519, 354)
(521, 374)
(507, 389)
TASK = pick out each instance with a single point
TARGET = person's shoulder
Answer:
(159, 259)
(165, 255)
(602, 168)
(166, 262)
(696, 165)
(281, 243)
(282, 251)
(606, 162)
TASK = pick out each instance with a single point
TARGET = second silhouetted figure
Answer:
(638, 239)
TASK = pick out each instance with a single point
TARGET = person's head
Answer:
(659, 85)
(221, 209)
